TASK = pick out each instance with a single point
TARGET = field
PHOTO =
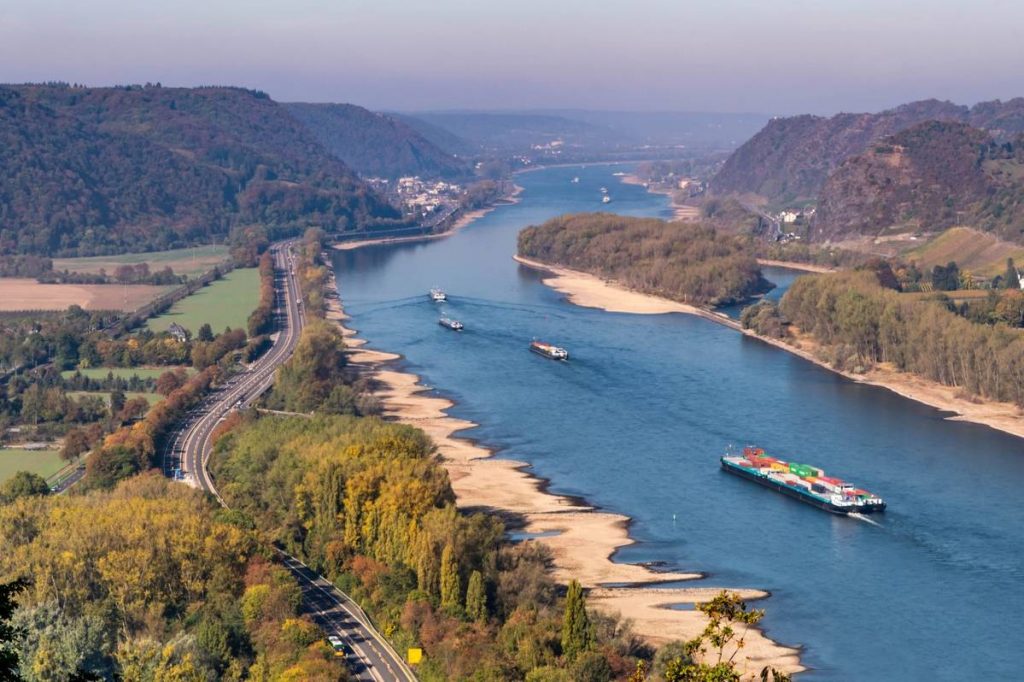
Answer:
(190, 262)
(18, 293)
(959, 295)
(225, 303)
(125, 372)
(43, 462)
(151, 398)
(980, 253)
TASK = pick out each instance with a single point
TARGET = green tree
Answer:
(205, 333)
(8, 633)
(116, 401)
(451, 590)
(476, 597)
(23, 484)
(577, 633)
(1011, 280)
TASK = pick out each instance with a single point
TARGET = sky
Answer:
(770, 56)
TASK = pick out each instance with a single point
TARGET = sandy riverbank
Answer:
(464, 220)
(679, 211)
(589, 291)
(794, 265)
(585, 537)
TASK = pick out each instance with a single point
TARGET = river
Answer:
(635, 423)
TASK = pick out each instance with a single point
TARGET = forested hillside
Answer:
(682, 261)
(151, 582)
(367, 504)
(375, 144)
(790, 159)
(929, 177)
(100, 170)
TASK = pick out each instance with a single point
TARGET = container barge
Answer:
(803, 482)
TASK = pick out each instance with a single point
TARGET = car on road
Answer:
(340, 648)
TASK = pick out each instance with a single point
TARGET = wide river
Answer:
(636, 421)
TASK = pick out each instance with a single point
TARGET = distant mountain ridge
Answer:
(375, 144)
(102, 170)
(791, 158)
(929, 177)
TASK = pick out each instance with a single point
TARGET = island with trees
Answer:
(687, 262)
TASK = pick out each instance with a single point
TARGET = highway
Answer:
(372, 658)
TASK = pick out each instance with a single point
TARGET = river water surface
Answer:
(636, 421)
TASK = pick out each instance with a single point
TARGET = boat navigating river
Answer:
(648, 401)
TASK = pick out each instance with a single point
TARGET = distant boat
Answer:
(549, 351)
(604, 190)
(620, 174)
(438, 295)
(606, 199)
(575, 180)
(454, 325)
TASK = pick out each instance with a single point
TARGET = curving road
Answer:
(188, 451)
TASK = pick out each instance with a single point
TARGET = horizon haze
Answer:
(784, 57)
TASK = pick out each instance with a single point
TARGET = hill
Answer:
(511, 132)
(443, 139)
(92, 171)
(977, 252)
(789, 160)
(927, 178)
(375, 144)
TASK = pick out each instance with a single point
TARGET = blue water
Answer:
(635, 422)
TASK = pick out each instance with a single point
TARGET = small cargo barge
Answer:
(802, 482)
(454, 325)
(549, 351)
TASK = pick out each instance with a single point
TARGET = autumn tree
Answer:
(170, 381)
(76, 444)
(577, 633)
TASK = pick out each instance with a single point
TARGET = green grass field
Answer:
(43, 462)
(151, 398)
(123, 372)
(225, 303)
(193, 261)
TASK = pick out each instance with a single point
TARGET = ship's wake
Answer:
(865, 519)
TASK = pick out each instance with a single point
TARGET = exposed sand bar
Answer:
(586, 537)
(463, 220)
(679, 211)
(794, 265)
(590, 291)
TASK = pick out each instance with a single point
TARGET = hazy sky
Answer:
(774, 56)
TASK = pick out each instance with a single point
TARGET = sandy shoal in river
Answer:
(584, 538)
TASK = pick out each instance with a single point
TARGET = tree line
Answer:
(859, 323)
